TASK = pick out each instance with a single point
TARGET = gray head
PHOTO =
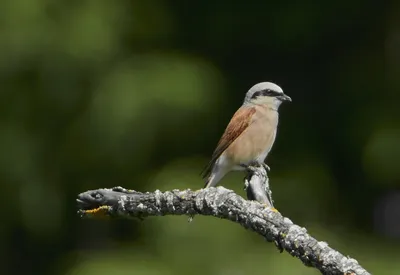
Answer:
(266, 93)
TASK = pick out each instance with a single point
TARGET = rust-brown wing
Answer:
(239, 122)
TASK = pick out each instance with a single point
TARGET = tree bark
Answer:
(222, 203)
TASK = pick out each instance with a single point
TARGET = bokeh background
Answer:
(137, 93)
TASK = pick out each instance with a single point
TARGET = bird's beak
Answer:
(285, 98)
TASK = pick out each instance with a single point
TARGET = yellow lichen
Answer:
(273, 209)
(101, 211)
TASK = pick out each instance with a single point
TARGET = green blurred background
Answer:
(137, 93)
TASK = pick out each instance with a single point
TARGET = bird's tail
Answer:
(209, 180)
(215, 177)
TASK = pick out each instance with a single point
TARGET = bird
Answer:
(250, 134)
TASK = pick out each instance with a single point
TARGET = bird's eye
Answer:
(266, 92)
(269, 92)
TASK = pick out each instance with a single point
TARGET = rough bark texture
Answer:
(256, 185)
(222, 203)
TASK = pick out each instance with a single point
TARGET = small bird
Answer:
(250, 134)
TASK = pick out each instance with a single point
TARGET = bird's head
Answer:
(266, 93)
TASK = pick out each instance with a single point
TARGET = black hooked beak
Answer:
(285, 98)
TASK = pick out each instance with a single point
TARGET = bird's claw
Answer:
(266, 167)
(253, 167)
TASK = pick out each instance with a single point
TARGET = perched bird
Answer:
(250, 134)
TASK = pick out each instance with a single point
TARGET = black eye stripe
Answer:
(266, 92)
(257, 94)
(269, 92)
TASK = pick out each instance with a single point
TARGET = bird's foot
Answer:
(251, 170)
(254, 165)
(266, 167)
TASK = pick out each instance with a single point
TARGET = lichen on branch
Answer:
(222, 203)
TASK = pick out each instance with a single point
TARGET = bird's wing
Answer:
(239, 122)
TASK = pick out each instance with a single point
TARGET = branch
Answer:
(222, 203)
(256, 185)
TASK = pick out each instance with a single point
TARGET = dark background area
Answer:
(137, 93)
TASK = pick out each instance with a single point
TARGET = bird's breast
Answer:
(256, 141)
